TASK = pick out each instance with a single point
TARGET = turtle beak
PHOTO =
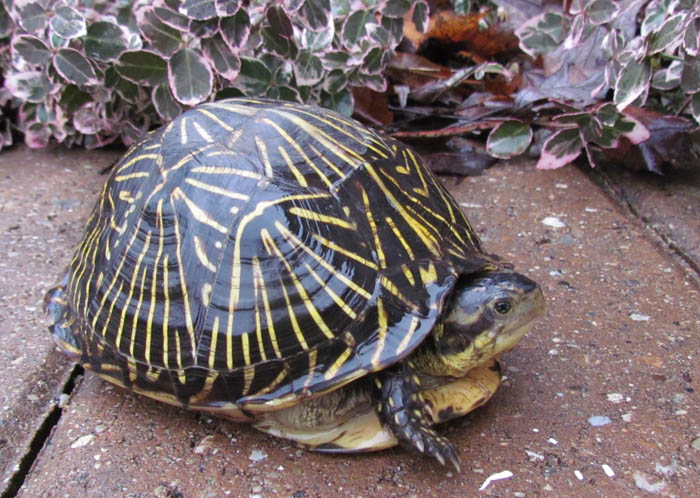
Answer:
(531, 307)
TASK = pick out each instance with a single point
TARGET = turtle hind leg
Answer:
(401, 409)
(341, 421)
(57, 307)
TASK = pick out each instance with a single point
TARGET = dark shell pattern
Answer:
(260, 253)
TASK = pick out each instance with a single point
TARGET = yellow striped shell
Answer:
(253, 253)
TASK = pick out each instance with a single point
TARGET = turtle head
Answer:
(487, 315)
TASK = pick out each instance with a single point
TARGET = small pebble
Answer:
(578, 475)
(616, 398)
(638, 317)
(627, 417)
(533, 457)
(554, 222)
(551, 440)
(696, 443)
(608, 471)
(642, 481)
(599, 420)
(256, 455)
(82, 441)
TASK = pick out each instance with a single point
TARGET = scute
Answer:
(261, 254)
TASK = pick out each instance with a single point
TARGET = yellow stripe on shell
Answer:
(222, 170)
(382, 327)
(310, 307)
(415, 321)
(166, 311)
(260, 283)
(321, 218)
(212, 344)
(262, 152)
(215, 118)
(292, 167)
(337, 364)
(300, 151)
(154, 281)
(325, 264)
(202, 255)
(345, 252)
(198, 213)
(217, 190)
(399, 235)
(373, 228)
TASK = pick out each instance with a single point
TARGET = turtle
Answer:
(284, 265)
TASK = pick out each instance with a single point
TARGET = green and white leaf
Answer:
(74, 67)
(142, 67)
(509, 139)
(31, 49)
(68, 23)
(190, 77)
(105, 41)
(632, 82)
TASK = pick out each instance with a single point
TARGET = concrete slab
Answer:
(619, 343)
(669, 204)
(44, 198)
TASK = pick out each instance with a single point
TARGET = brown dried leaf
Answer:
(371, 107)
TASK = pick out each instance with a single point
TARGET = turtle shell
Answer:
(251, 254)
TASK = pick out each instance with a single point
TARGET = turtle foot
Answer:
(402, 410)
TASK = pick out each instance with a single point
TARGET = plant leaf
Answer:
(695, 107)
(340, 102)
(690, 77)
(74, 67)
(308, 69)
(355, 27)
(30, 86)
(190, 77)
(396, 8)
(73, 98)
(217, 51)
(602, 11)
(420, 16)
(105, 41)
(235, 29)
(510, 138)
(669, 33)
(254, 77)
(171, 18)
(31, 49)
(198, 9)
(315, 14)
(166, 106)
(6, 26)
(142, 67)
(226, 7)
(632, 82)
(32, 17)
(68, 23)
(560, 149)
(162, 37)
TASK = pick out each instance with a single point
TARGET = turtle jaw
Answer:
(530, 309)
(474, 331)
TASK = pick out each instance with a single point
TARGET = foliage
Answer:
(93, 71)
(647, 53)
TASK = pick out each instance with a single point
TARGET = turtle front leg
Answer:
(401, 409)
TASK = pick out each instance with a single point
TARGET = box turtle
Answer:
(283, 265)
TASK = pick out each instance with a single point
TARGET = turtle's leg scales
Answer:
(401, 409)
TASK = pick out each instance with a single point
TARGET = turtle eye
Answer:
(503, 306)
